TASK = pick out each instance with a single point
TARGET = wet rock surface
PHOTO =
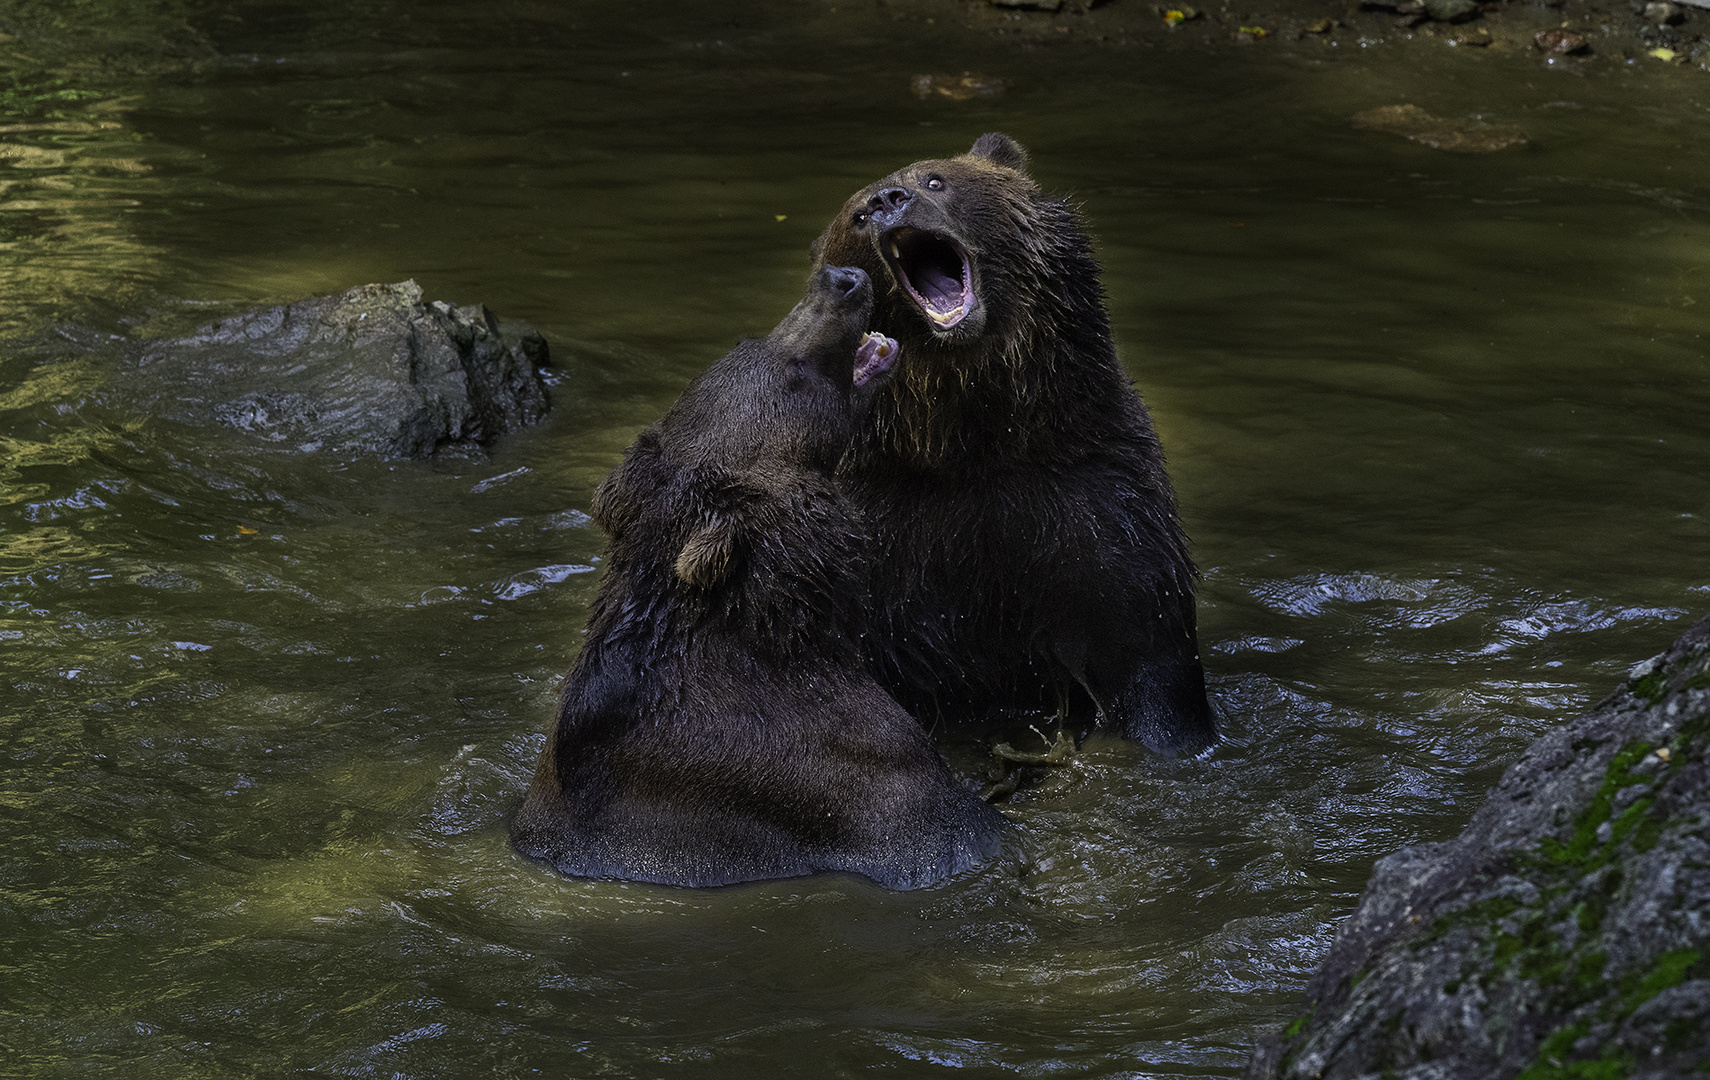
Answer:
(1560, 42)
(961, 87)
(375, 370)
(1564, 933)
(1413, 12)
(1455, 136)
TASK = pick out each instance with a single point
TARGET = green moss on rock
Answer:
(1545, 942)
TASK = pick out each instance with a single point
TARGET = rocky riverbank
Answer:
(1564, 933)
(1573, 32)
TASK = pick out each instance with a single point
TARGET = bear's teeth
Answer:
(945, 318)
(896, 252)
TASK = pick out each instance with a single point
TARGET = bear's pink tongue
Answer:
(874, 356)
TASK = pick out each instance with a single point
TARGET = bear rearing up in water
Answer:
(718, 725)
(1027, 554)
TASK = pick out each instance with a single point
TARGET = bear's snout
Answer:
(846, 280)
(887, 206)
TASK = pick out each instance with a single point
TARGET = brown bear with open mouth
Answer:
(719, 724)
(1027, 554)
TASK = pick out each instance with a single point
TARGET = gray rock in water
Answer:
(373, 370)
(1564, 934)
(1451, 10)
(1663, 13)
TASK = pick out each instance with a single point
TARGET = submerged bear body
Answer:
(1026, 550)
(719, 725)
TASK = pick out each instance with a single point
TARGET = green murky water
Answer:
(1438, 425)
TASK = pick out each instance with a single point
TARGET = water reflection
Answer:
(69, 172)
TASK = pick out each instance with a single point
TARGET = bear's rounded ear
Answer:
(720, 505)
(613, 510)
(617, 501)
(709, 553)
(1000, 149)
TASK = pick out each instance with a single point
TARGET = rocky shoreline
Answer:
(1564, 933)
(1577, 33)
(1571, 32)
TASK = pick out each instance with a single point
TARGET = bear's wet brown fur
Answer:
(1027, 554)
(719, 725)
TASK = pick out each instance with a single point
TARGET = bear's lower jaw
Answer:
(874, 357)
(934, 270)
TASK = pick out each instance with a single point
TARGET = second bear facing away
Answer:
(718, 725)
(1027, 554)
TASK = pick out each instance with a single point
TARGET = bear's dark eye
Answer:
(860, 217)
(935, 183)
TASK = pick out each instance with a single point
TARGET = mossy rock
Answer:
(1565, 933)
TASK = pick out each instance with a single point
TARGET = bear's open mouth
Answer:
(873, 357)
(935, 271)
